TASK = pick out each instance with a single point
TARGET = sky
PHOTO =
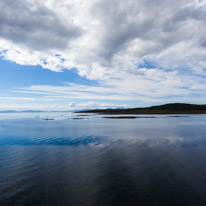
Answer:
(80, 54)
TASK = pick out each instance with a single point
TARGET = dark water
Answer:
(95, 161)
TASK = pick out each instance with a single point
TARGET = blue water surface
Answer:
(95, 161)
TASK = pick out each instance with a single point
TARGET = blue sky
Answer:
(15, 79)
(101, 54)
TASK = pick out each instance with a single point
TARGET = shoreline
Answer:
(166, 109)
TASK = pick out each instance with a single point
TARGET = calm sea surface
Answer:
(96, 161)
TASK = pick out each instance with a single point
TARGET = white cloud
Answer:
(45, 107)
(101, 38)
(149, 85)
(17, 98)
(57, 107)
(141, 50)
(93, 105)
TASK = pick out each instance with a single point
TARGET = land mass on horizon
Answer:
(171, 108)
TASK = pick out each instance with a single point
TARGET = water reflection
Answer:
(158, 161)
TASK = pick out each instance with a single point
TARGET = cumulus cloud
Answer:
(100, 38)
(93, 105)
(35, 25)
(141, 50)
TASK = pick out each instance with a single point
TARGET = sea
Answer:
(72, 159)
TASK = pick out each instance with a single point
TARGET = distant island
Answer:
(171, 108)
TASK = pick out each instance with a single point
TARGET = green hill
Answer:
(171, 108)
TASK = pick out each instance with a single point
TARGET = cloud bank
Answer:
(99, 38)
(136, 49)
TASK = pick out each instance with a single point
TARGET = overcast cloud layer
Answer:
(155, 44)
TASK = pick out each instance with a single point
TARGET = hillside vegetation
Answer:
(172, 108)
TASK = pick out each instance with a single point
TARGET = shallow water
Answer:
(96, 161)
